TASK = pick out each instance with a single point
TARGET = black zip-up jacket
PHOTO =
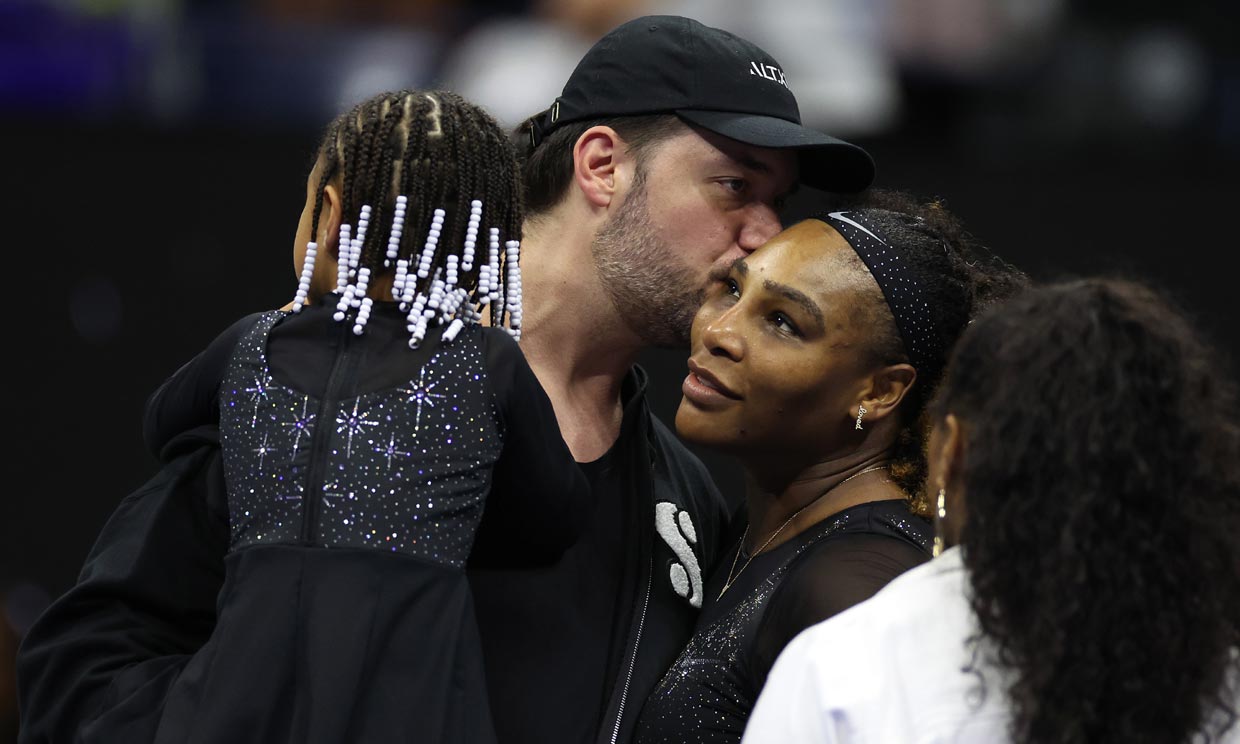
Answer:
(147, 593)
(674, 525)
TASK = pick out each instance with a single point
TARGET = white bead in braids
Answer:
(412, 300)
(398, 225)
(493, 268)
(436, 293)
(351, 294)
(432, 240)
(453, 274)
(512, 302)
(343, 285)
(471, 235)
(416, 322)
(429, 303)
(484, 270)
(398, 283)
(363, 222)
(360, 300)
(343, 249)
(363, 314)
(307, 272)
(443, 300)
(406, 295)
(457, 304)
(425, 308)
(359, 287)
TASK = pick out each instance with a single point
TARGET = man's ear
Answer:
(329, 221)
(887, 388)
(596, 158)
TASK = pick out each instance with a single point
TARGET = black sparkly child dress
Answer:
(357, 473)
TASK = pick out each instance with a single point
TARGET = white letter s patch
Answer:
(676, 529)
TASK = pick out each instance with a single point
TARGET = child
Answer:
(363, 428)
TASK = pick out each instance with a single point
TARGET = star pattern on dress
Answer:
(420, 394)
(390, 450)
(334, 491)
(301, 424)
(298, 496)
(258, 393)
(262, 450)
(396, 491)
(353, 423)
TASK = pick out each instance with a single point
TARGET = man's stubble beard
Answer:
(653, 292)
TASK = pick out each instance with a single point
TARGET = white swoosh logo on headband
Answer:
(840, 216)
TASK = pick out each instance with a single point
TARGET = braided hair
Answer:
(440, 153)
(1102, 507)
(959, 278)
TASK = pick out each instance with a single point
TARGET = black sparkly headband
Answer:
(900, 285)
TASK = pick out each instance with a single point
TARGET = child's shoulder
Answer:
(501, 354)
(500, 337)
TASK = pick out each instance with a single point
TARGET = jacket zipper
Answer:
(628, 677)
(322, 440)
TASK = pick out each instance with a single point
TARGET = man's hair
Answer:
(548, 168)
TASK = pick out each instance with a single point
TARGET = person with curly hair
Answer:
(811, 361)
(1085, 458)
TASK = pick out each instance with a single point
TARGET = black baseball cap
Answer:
(710, 78)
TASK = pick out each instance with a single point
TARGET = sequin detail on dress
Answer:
(707, 693)
(403, 469)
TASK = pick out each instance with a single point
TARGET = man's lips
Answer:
(703, 381)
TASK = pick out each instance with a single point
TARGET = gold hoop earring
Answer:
(860, 412)
(941, 512)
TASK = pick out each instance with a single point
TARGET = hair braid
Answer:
(329, 163)
(370, 153)
(374, 250)
(440, 152)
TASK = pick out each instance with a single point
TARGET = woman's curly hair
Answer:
(1102, 528)
(959, 277)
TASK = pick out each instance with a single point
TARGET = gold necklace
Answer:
(732, 579)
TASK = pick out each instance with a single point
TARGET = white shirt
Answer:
(889, 671)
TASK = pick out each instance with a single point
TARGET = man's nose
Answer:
(761, 224)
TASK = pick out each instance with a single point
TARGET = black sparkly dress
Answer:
(709, 691)
(357, 473)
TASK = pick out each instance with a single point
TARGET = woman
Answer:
(1086, 463)
(810, 362)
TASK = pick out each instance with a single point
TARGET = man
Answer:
(664, 160)
(629, 214)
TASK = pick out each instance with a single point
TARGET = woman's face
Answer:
(778, 362)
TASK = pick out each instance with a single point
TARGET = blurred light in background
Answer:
(857, 66)
(1164, 76)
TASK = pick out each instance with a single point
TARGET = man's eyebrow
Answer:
(745, 160)
(752, 163)
(799, 298)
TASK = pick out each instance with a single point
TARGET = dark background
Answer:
(155, 157)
